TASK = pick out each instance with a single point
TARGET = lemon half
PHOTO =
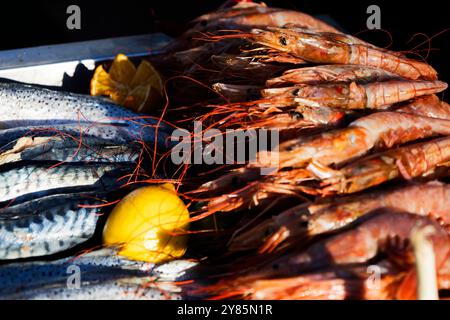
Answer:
(139, 89)
(149, 224)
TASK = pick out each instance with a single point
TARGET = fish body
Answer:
(109, 133)
(24, 106)
(70, 150)
(47, 225)
(38, 178)
(133, 288)
(103, 275)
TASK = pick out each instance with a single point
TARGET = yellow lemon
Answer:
(139, 89)
(149, 225)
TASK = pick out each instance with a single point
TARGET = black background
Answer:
(31, 23)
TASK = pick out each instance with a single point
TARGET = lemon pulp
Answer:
(148, 225)
(139, 89)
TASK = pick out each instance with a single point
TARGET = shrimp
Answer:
(245, 187)
(381, 130)
(322, 47)
(278, 113)
(307, 220)
(310, 159)
(337, 284)
(331, 73)
(326, 286)
(244, 15)
(386, 230)
(427, 106)
(309, 105)
(407, 162)
(345, 38)
(426, 199)
(289, 276)
(375, 95)
(300, 117)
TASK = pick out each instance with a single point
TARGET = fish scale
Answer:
(91, 150)
(29, 179)
(36, 274)
(24, 104)
(123, 289)
(110, 133)
(47, 225)
(24, 108)
(103, 275)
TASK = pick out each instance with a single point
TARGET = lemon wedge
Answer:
(149, 224)
(139, 89)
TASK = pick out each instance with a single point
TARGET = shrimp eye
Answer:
(283, 41)
(203, 23)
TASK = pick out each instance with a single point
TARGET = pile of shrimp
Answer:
(362, 164)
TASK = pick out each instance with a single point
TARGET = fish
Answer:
(68, 150)
(26, 106)
(132, 288)
(103, 275)
(47, 225)
(42, 178)
(108, 133)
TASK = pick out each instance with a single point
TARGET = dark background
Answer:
(27, 23)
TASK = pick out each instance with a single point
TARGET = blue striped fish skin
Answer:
(99, 265)
(10, 136)
(71, 150)
(111, 134)
(103, 275)
(35, 178)
(135, 288)
(47, 225)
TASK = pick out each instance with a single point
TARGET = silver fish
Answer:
(9, 137)
(47, 225)
(29, 179)
(69, 150)
(29, 106)
(103, 275)
(133, 288)
(24, 105)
